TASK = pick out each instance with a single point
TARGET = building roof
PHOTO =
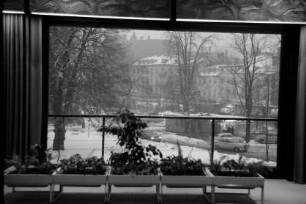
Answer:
(156, 60)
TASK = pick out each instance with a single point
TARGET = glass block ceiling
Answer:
(224, 10)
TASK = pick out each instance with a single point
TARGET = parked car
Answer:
(229, 136)
(236, 144)
(155, 138)
(149, 135)
(272, 139)
(225, 135)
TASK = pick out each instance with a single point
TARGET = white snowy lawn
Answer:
(88, 142)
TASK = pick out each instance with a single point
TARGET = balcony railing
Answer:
(210, 123)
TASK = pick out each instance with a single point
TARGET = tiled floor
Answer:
(276, 192)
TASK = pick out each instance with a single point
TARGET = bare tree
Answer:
(170, 96)
(253, 49)
(270, 95)
(188, 48)
(87, 73)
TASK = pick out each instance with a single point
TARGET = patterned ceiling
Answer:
(242, 10)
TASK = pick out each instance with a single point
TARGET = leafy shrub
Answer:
(77, 165)
(137, 159)
(122, 165)
(179, 165)
(231, 167)
(34, 163)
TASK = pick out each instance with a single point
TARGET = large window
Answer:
(189, 87)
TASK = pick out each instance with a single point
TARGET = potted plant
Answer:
(236, 174)
(33, 171)
(137, 165)
(179, 171)
(77, 171)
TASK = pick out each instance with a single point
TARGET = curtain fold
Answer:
(2, 109)
(22, 80)
(300, 140)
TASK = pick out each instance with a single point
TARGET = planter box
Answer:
(79, 180)
(27, 180)
(133, 180)
(186, 180)
(236, 181)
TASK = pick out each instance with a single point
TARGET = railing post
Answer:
(103, 137)
(212, 149)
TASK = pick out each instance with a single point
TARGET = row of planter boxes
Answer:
(109, 180)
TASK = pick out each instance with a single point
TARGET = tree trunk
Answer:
(267, 115)
(59, 130)
(59, 123)
(267, 144)
(248, 131)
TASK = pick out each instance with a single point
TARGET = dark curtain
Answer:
(2, 106)
(22, 63)
(300, 140)
(287, 103)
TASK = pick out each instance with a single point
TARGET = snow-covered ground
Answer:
(88, 142)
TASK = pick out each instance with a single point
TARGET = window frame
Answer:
(288, 65)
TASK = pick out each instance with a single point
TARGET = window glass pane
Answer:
(231, 140)
(273, 10)
(186, 81)
(74, 135)
(126, 8)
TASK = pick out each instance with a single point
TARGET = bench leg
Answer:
(158, 195)
(51, 193)
(204, 190)
(262, 195)
(56, 194)
(212, 194)
(109, 191)
(106, 193)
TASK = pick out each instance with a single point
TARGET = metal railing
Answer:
(210, 118)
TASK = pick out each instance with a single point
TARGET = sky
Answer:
(223, 43)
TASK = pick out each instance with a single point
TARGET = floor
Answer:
(276, 192)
